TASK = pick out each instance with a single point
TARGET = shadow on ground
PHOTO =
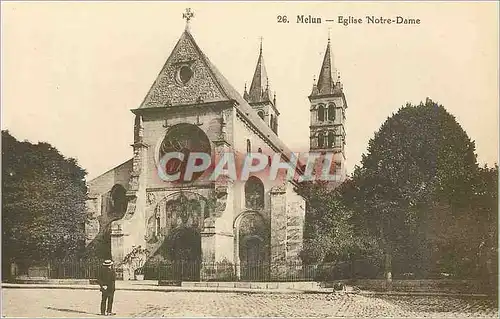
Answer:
(71, 310)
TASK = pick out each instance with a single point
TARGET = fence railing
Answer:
(203, 271)
(180, 271)
(58, 269)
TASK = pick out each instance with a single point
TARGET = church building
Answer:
(191, 107)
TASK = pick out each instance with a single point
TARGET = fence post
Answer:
(158, 277)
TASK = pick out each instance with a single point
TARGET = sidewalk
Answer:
(225, 287)
(152, 285)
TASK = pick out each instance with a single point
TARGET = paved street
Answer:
(85, 303)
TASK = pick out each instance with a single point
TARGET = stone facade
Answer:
(192, 107)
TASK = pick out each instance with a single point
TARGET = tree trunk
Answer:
(387, 244)
(388, 265)
(352, 270)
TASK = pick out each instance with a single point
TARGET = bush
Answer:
(357, 269)
(224, 271)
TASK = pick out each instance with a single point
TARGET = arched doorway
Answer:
(252, 241)
(253, 259)
(183, 252)
(175, 226)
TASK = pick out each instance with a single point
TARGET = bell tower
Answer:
(327, 119)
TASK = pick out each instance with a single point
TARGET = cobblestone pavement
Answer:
(85, 303)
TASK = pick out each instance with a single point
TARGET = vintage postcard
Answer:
(250, 159)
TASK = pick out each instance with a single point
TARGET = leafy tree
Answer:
(330, 236)
(327, 225)
(466, 242)
(487, 211)
(419, 159)
(43, 202)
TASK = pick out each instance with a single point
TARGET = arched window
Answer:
(249, 146)
(261, 114)
(271, 121)
(321, 113)
(330, 139)
(186, 139)
(259, 150)
(118, 201)
(254, 193)
(331, 112)
(321, 140)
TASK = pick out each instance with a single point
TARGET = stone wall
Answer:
(103, 183)
(99, 197)
(284, 209)
(278, 232)
(295, 217)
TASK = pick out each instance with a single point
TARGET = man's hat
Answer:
(107, 262)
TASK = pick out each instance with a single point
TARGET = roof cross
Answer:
(188, 15)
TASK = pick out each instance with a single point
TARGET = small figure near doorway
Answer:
(106, 280)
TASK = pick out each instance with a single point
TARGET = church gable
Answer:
(186, 78)
(189, 77)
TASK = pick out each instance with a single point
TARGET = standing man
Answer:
(106, 281)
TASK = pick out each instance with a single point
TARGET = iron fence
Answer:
(199, 271)
(75, 269)
(203, 271)
(58, 269)
(167, 270)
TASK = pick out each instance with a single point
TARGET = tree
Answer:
(43, 198)
(419, 159)
(330, 236)
(327, 227)
(487, 208)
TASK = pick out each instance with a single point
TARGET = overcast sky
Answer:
(71, 72)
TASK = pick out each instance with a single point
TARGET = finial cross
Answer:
(188, 14)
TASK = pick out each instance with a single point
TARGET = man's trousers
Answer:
(107, 296)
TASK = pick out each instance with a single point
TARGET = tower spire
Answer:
(326, 83)
(259, 88)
